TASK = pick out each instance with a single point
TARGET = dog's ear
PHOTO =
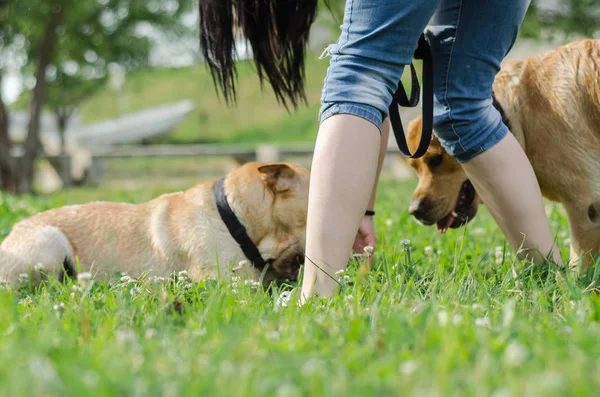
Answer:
(278, 177)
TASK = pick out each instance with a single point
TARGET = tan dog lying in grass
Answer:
(174, 232)
(552, 103)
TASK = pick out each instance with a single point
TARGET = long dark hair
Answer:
(278, 32)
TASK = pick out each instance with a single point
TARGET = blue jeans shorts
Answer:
(468, 38)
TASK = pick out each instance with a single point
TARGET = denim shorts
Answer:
(468, 38)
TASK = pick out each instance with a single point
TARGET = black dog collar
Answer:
(236, 229)
(499, 108)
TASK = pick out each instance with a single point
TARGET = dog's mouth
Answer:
(288, 265)
(463, 211)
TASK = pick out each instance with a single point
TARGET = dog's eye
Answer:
(434, 161)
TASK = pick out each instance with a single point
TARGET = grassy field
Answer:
(256, 118)
(436, 316)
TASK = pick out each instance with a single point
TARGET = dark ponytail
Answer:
(278, 32)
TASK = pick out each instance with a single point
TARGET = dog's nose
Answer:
(418, 208)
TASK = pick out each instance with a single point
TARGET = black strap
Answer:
(400, 98)
(236, 229)
(500, 110)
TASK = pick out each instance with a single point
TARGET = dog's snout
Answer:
(418, 208)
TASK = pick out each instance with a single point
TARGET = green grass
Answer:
(455, 322)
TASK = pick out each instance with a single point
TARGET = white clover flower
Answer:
(252, 283)
(84, 279)
(405, 244)
(368, 250)
(388, 222)
(234, 291)
(340, 272)
(482, 322)
(38, 267)
(515, 354)
(499, 261)
(59, 307)
(283, 299)
(135, 291)
(23, 277)
(126, 279)
(150, 333)
(76, 288)
(183, 274)
(241, 265)
(157, 279)
(442, 317)
(4, 285)
(408, 367)
(428, 250)
(457, 319)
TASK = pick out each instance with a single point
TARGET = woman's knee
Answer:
(469, 128)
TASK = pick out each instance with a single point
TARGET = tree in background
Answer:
(68, 47)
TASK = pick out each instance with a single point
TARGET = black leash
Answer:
(236, 229)
(400, 98)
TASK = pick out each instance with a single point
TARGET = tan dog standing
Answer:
(174, 232)
(552, 103)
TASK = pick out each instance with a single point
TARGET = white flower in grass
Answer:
(428, 250)
(482, 322)
(23, 277)
(135, 291)
(348, 298)
(283, 299)
(182, 274)
(126, 279)
(38, 267)
(150, 333)
(4, 285)
(157, 279)
(408, 367)
(76, 288)
(389, 222)
(499, 261)
(442, 318)
(501, 393)
(43, 369)
(368, 250)
(457, 319)
(515, 354)
(252, 283)
(340, 272)
(405, 244)
(84, 279)
(59, 307)
(241, 265)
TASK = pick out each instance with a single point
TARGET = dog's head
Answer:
(444, 196)
(271, 199)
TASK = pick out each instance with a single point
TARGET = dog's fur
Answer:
(174, 232)
(553, 106)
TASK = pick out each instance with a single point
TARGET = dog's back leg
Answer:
(36, 250)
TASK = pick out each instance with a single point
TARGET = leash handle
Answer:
(399, 98)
